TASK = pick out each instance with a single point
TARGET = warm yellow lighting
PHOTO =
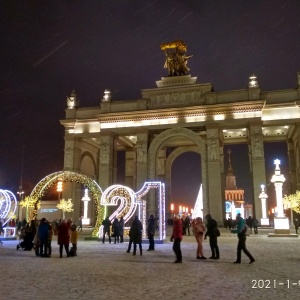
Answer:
(172, 206)
(219, 117)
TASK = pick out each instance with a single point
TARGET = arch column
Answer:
(256, 149)
(214, 174)
(142, 159)
(106, 161)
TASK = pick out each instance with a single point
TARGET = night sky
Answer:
(49, 48)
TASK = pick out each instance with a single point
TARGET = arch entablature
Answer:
(200, 145)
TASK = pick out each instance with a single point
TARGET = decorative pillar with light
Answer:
(59, 188)
(172, 209)
(21, 195)
(281, 223)
(180, 210)
(85, 199)
(264, 221)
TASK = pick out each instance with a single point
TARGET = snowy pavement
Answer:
(103, 271)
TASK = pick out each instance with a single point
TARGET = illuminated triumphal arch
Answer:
(181, 114)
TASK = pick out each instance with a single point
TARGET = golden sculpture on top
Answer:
(176, 59)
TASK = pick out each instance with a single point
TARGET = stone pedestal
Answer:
(264, 222)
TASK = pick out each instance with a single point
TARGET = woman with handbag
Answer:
(199, 230)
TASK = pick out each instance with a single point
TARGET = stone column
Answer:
(215, 196)
(296, 142)
(160, 165)
(130, 169)
(72, 162)
(256, 149)
(106, 164)
(292, 168)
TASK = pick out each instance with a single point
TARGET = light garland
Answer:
(8, 206)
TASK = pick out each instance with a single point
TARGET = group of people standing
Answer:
(39, 235)
(113, 229)
(211, 230)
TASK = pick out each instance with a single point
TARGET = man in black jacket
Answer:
(212, 228)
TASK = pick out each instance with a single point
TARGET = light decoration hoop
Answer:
(8, 205)
(69, 176)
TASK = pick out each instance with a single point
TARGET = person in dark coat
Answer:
(43, 232)
(296, 224)
(151, 231)
(116, 230)
(63, 238)
(241, 233)
(135, 234)
(121, 228)
(176, 238)
(212, 228)
(255, 225)
(106, 229)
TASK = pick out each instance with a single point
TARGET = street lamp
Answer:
(264, 221)
(172, 209)
(21, 195)
(59, 188)
(281, 223)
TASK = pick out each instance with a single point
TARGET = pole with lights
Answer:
(59, 188)
(21, 195)
(264, 221)
(172, 209)
(281, 223)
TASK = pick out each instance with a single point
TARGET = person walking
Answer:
(198, 230)
(121, 228)
(187, 224)
(176, 238)
(135, 234)
(80, 224)
(63, 238)
(255, 225)
(116, 230)
(151, 232)
(74, 239)
(106, 229)
(212, 229)
(296, 224)
(241, 233)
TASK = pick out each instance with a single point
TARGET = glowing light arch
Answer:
(69, 176)
(8, 205)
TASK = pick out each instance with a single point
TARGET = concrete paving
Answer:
(103, 271)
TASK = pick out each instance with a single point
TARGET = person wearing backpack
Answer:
(241, 233)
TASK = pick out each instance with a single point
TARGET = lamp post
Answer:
(264, 221)
(86, 199)
(59, 188)
(21, 195)
(281, 223)
(172, 209)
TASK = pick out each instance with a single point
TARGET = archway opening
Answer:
(186, 179)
